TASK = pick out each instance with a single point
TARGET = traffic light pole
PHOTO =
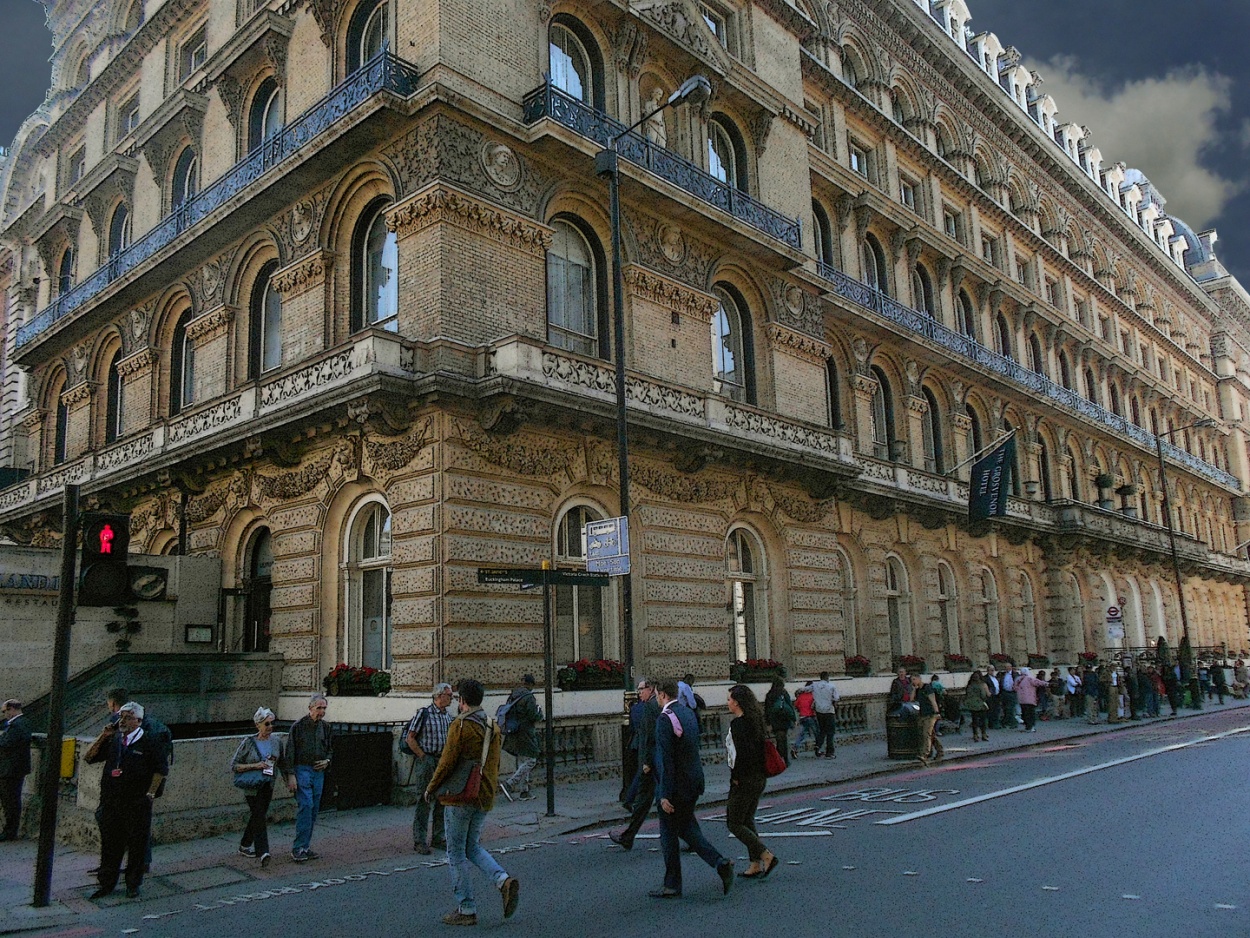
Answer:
(50, 780)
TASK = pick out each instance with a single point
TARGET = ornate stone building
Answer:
(323, 288)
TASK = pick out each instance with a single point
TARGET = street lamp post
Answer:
(694, 90)
(1195, 695)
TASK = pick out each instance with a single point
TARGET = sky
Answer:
(1164, 87)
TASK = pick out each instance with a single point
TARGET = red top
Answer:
(803, 703)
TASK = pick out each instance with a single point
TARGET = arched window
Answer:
(989, 602)
(822, 233)
(375, 271)
(82, 74)
(883, 435)
(1091, 386)
(119, 230)
(65, 272)
(573, 65)
(369, 588)
(852, 73)
(948, 609)
(1065, 371)
(965, 313)
(844, 584)
(181, 367)
(732, 364)
(265, 324)
(60, 427)
(265, 116)
(576, 300)
(1044, 468)
(1114, 394)
(747, 586)
(726, 154)
(580, 622)
(833, 397)
(922, 291)
(873, 261)
(1015, 459)
(1002, 336)
(1037, 361)
(1028, 613)
(258, 588)
(186, 181)
(974, 428)
(1135, 407)
(113, 401)
(368, 33)
(898, 608)
(897, 111)
(932, 431)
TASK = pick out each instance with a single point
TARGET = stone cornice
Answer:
(303, 274)
(211, 324)
(439, 203)
(648, 285)
(78, 394)
(136, 363)
(797, 344)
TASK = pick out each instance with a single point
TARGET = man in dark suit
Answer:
(134, 767)
(679, 783)
(644, 741)
(14, 765)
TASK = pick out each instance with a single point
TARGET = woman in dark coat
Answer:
(780, 715)
(745, 749)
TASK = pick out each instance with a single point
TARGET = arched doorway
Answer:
(257, 588)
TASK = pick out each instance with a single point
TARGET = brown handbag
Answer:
(464, 784)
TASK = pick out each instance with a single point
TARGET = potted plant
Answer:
(1002, 660)
(347, 681)
(857, 666)
(756, 670)
(1088, 658)
(1038, 660)
(957, 663)
(913, 664)
(588, 674)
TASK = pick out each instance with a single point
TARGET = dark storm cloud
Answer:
(24, 70)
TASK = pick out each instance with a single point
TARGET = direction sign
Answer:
(607, 546)
(536, 577)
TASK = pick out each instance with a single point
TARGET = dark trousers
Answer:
(996, 711)
(11, 802)
(257, 832)
(825, 723)
(978, 721)
(781, 739)
(1028, 713)
(744, 798)
(683, 825)
(421, 831)
(124, 829)
(644, 798)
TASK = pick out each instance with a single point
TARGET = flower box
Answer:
(958, 664)
(347, 681)
(1039, 661)
(350, 689)
(857, 666)
(912, 664)
(756, 671)
(584, 674)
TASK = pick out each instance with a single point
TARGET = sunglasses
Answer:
(267, 723)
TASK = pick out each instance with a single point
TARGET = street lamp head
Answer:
(1204, 423)
(694, 90)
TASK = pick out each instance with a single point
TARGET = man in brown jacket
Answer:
(464, 823)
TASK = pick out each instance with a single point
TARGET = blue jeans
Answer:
(683, 824)
(807, 727)
(309, 783)
(464, 834)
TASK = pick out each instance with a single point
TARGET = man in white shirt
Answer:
(825, 697)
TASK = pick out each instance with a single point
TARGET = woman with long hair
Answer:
(745, 749)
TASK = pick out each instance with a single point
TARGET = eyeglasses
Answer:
(267, 723)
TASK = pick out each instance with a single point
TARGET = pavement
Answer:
(359, 837)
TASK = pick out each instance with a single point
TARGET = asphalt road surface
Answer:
(1131, 835)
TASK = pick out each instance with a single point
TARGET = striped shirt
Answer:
(433, 723)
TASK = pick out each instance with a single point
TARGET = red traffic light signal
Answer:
(105, 579)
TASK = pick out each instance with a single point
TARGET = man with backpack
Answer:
(518, 716)
(425, 738)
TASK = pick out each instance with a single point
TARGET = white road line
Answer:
(1038, 783)
(771, 834)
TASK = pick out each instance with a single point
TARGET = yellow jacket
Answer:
(464, 742)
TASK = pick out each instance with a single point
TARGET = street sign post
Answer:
(607, 546)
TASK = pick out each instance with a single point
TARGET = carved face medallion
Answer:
(501, 165)
(301, 221)
(672, 244)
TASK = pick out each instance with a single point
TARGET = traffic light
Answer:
(105, 579)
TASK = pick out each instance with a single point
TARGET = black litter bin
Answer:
(361, 772)
(902, 732)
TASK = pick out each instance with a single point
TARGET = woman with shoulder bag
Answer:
(256, 763)
(976, 702)
(472, 741)
(745, 751)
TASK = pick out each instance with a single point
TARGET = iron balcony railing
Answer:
(549, 101)
(384, 72)
(969, 348)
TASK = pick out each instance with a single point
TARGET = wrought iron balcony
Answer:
(970, 349)
(384, 72)
(549, 101)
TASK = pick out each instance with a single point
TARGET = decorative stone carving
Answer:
(76, 362)
(440, 204)
(299, 224)
(303, 274)
(586, 374)
(678, 297)
(761, 125)
(326, 13)
(125, 453)
(501, 165)
(207, 285)
(797, 309)
(799, 508)
(210, 324)
(327, 371)
(680, 487)
(630, 45)
(297, 484)
(205, 506)
(665, 247)
(798, 344)
(778, 429)
(547, 460)
(140, 361)
(78, 394)
(686, 27)
(395, 455)
(205, 421)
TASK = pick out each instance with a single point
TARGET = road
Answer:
(1137, 833)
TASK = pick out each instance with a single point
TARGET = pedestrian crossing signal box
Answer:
(105, 579)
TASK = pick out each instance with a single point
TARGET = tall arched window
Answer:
(747, 586)
(113, 401)
(369, 588)
(898, 608)
(265, 324)
(822, 232)
(572, 68)
(1015, 458)
(1044, 468)
(833, 397)
(186, 182)
(1114, 394)
(1002, 336)
(731, 349)
(1135, 408)
(922, 291)
(367, 33)
(576, 303)
(119, 230)
(580, 622)
(726, 156)
(964, 312)
(873, 261)
(845, 587)
(883, 435)
(974, 428)
(1037, 361)
(375, 271)
(989, 602)
(258, 589)
(1028, 613)
(1091, 386)
(60, 426)
(65, 272)
(265, 116)
(182, 367)
(934, 460)
(1065, 371)
(948, 609)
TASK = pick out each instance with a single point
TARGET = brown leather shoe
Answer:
(620, 840)
(459, 918)
(511, 891)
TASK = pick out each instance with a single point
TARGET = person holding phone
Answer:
(310, 749)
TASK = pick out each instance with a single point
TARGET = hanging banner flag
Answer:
(991, 482)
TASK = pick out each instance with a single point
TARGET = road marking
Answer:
(775, 834)
(1050, 780)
